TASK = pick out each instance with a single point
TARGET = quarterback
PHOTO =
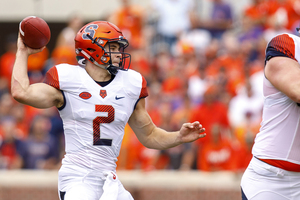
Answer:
(95, 99)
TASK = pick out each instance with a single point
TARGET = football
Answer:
(35, 32)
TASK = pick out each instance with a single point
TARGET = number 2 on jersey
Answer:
(99, 120)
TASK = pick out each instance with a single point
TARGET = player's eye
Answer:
(115, 49)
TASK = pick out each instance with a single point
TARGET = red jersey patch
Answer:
(85, 95)
(103, 93)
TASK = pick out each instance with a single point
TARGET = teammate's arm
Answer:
(39, 95)
(156, 138)
(284, 74)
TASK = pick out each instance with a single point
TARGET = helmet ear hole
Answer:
(91, 50)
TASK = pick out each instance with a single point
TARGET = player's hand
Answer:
(190, 132)
(23, 48)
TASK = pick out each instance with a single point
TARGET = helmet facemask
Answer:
(125, 57)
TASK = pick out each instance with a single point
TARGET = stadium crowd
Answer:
(209, 70)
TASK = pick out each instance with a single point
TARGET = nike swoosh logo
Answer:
(117, 98)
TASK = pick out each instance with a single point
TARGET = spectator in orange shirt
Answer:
(216, 111)
(260, 10)
(7, 61)
(245, 136)
(134, 155)
(36, 64)
(129, 18)
(9, 145)
(187, 58)
(18, 111)
(216, 154)
(63, 54)
(210, 112)
(10, 108)
(293, 13)
(130, 149)
(228, 69)
(140, 63)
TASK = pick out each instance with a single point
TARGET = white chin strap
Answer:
(110, 68)
(93, 60)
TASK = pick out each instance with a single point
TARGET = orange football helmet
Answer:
(90, 41)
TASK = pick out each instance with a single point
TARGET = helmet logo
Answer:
(90, 30)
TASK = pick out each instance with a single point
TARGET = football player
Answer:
(274, 171)
(95, 100)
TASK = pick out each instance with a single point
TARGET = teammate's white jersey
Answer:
(279, 136)
(94, 117)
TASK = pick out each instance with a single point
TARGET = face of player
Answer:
(114, 47)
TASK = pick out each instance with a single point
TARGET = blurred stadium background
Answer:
(144, 182)
(57, 13)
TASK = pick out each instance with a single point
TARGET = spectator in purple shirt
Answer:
(40, 150)
(221, 19)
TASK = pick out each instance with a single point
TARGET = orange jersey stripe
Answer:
(51, 78)
(282, 164)
(144, 91)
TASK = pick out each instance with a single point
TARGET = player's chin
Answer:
(116, 64)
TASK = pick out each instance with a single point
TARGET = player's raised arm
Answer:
(156, 138)
(38, 95)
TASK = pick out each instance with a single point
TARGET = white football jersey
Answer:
(279, 136)
(94, 117)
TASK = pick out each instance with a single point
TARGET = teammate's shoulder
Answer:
(285, 37)
(284, 45)
(283, 41)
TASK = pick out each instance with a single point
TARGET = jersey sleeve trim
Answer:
(281, 45)
(51, 78)
(144, 91)
(137, 102)
(64, 105)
